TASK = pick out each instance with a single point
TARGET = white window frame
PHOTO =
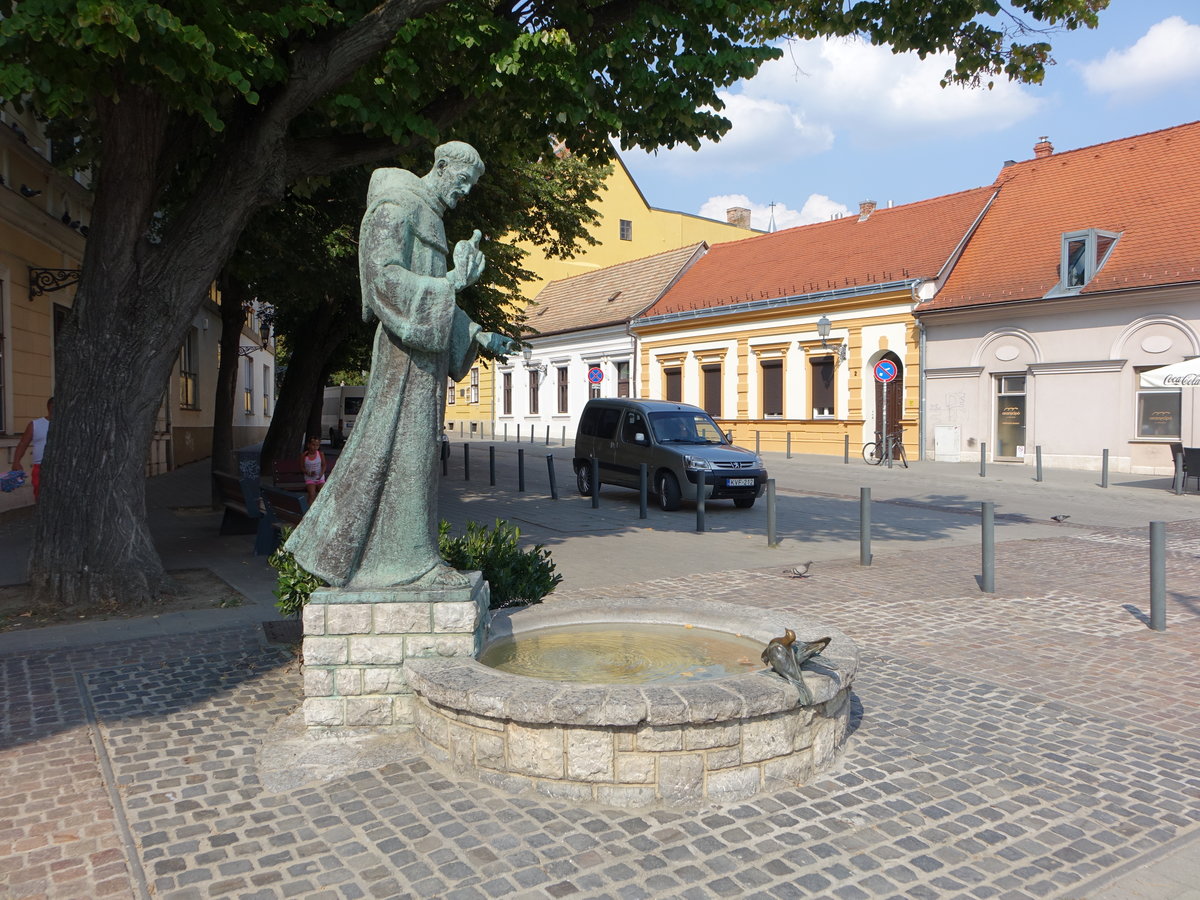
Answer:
(1091, 265)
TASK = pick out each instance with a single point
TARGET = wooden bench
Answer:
(288, 474)
(243, 512)
(286, 508)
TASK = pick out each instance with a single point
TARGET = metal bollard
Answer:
(864, 526)
(772, 531)
(562, 442)
(988, 581)
(506, 432)
(1038, 453)
(1158, 576)
(460, 429)
(789, 445)
(550, 471)
(492, 465)
(532, 433)
(445, 453)
(518, 432)
(643, 490)
(466, 462)
(521, 469)
(595, 463)
(756, 441)
(982, 458)
(701, 481)
(547, 434)
(1178, 481)
(1104, 469)
(846, 449)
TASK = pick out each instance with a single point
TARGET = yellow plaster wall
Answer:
(854, 388)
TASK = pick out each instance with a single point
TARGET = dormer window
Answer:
(1083, 255)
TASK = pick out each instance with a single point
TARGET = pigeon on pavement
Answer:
(800, 571)
(1060, 519)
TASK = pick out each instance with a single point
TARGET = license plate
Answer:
(739, 482)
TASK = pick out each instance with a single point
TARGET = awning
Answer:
(1180, 374)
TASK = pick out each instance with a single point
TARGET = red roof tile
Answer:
(1145, 187)
(612, 294)
(910, 241)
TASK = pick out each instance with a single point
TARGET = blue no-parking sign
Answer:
(595, 375)
(885, 371)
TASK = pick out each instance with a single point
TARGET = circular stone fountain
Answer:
(725, 737)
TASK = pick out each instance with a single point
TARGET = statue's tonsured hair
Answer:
(459, 152)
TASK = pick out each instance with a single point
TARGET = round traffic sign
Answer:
(595, 375)
(885, 371)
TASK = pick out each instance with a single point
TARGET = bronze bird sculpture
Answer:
(785, 657)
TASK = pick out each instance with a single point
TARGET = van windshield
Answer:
(683, 427)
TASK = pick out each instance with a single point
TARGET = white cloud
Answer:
(856, 88)
(765, 133)
(1166, 54)
(817, 208)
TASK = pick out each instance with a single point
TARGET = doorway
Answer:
(1010, 417)
(889, 399)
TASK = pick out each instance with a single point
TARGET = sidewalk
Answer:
(1037, 742)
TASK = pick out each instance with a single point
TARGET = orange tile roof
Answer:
(609, 295)
(910, 241)
(1145, 187)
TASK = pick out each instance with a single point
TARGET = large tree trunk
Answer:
(233, 317)
(304, 381)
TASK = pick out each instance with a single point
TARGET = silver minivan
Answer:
(680, 444)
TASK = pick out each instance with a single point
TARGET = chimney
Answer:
(865, 209)
(738, 215)
(1043, 147)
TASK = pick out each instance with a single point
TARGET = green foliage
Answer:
(294, 585)
(516, 577)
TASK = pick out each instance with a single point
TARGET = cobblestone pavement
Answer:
(1025, 744)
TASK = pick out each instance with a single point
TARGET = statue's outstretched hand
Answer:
(500, 344)
(468, 262)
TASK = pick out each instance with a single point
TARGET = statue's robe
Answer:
(374, 524)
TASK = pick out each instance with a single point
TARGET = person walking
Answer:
(34, 436)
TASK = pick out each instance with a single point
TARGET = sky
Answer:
(834, 123)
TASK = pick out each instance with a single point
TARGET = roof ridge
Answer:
(1058, 154)
(691, 248)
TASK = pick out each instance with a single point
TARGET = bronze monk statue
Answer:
(375, 523)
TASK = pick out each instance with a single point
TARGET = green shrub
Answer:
(294, 585)
(517, 577)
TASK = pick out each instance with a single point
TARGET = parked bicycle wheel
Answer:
(872, 453)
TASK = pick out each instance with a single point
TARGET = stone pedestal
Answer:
(356, 643)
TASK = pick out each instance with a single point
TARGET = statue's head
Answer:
(456, 169)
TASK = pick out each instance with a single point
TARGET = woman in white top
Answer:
(35, 435)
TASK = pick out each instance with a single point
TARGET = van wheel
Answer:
(743, 502)
(583, 479)
(669, 497)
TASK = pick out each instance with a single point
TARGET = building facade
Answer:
(1084, 273)
(779, 336)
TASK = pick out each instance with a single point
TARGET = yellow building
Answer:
(628, 228)
(778, 336)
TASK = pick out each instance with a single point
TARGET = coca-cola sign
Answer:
(1181, 380)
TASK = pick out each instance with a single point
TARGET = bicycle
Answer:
(893, 447)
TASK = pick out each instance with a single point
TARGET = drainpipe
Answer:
(633, 360)
(920, 377)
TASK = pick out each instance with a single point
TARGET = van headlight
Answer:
(697, 464)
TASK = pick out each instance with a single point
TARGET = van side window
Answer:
(599, 422)
(634, 425)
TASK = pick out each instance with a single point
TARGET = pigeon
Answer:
(1060, 519)
(800, 571)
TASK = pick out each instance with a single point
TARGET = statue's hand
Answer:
(468, 263)
(500, 344)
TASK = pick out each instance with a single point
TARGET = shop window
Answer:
(1158, 410)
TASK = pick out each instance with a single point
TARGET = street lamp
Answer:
(823, 325)
(533, 365)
